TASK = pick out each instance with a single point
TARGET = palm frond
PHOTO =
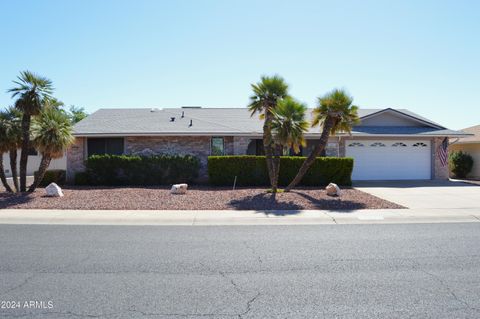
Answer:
(52, 132)
(336, 104)
(31, 91)
(266, 93)
(289, 124)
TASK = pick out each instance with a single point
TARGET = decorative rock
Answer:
(333, 189)
(179, 189)
(53, 190)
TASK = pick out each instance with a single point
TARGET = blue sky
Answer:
(421, 55)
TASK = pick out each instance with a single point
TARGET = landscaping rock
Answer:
(53, 190)
(179, 189)
(333, 189)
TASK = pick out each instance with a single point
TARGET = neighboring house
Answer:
(33, 162)
(388, 144)
(470, 145)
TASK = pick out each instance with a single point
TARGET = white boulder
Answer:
(53, 190)
(179, 189)
(333, 189)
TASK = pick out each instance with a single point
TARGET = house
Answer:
(388, 144)
(33, 162)
(470, 145)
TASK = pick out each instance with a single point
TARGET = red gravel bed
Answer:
(200, 198)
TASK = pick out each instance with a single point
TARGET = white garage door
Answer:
(389, 160)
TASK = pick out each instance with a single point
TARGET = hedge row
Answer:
(252, 170)
(139, 170)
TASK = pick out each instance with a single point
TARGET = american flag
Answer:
(443, 152)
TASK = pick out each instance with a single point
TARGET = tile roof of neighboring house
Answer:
(212, 121)
(475, 130)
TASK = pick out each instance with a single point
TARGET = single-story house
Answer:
(34, 159)
(470, 145)
(388, 144)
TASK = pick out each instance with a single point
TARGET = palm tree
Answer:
(266, 94)
(77, 113)
(335, 113)
(4, 147)
(51, 136)
(289, 126)
(31, 91)
(12, 138)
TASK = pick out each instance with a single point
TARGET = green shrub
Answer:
(460, 163)
(81, 178)
(141, 170)
(252, 170)
(56, 176)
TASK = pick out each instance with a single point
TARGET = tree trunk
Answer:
(267, 146)
(45, 162)
(3, 177)
(13, 167)
(25, 148)
(328, 124)
(276, 164)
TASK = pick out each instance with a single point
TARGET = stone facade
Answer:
(240, 145)
(179, 145)
(75, 158)
(439, 171)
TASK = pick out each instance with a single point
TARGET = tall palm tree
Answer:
(266, 94)
(4, 147)
(31, 91)
(12, 138)
(335, 113)
(51, 136)
(289, 126)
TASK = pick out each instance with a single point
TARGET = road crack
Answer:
(448, 289)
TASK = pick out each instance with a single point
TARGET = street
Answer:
(317, 271)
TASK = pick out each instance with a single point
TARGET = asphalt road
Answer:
(339, 271)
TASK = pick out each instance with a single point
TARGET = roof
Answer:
(475, 138)
(219, 121)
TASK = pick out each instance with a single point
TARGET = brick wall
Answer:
(439, 171)
(75, 158)
(240, 145)
(179, 145)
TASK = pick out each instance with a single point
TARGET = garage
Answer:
(390, 159)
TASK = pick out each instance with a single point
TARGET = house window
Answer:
(217, 146)
(399, 144)
(419, 144)
(355, 144)
(378, 144)
(99, 146)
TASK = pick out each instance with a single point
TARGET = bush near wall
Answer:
(252, 170)
(460, 164)
(56, 176)
(140, 170)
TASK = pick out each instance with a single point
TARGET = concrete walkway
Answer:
(229, 217)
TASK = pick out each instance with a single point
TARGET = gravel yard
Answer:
(200, 198)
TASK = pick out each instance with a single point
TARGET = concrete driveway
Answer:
(425, 194)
